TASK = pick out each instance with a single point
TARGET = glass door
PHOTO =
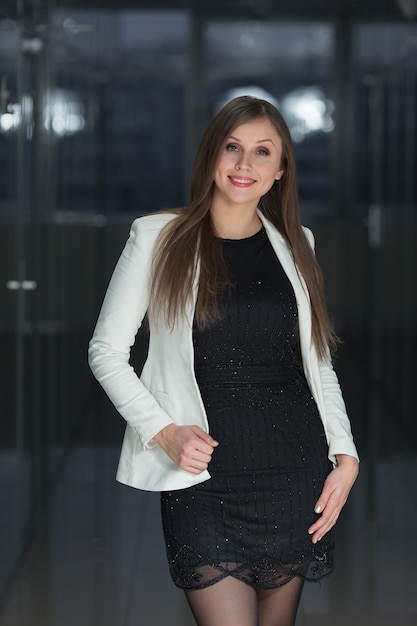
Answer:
(18, 288)
(45, 316)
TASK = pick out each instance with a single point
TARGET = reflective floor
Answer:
(98, 559)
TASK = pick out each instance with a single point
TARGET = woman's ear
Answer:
(279, 174)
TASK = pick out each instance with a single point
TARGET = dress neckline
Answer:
(256, 235)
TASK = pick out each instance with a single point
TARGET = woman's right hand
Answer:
(190, 447)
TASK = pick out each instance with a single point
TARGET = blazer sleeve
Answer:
(124, 307)
(338, 427)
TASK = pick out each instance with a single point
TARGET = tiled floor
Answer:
(99, 560)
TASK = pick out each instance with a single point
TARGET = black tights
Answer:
(231, 602)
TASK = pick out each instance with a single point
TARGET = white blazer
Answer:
(167, 391)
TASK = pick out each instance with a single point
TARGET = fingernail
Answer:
(317, 509)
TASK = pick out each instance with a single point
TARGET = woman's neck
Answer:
(236, 223)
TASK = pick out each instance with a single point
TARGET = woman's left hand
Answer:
(334, 495)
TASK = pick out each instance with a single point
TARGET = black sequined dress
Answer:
(251, 519)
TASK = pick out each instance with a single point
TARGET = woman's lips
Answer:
(239, 181)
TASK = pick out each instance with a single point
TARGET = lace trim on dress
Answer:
(189, 570)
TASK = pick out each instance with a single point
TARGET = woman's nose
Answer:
(244, 162)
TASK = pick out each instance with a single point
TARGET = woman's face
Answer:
(249, 164)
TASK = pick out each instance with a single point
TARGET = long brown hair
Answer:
(190, 235)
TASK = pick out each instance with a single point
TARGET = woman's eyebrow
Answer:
(260, 140)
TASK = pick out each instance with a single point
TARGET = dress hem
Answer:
(189, 569)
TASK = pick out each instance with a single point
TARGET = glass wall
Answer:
(17, 286)
(118, 110)
(385, 63)
(43, 332)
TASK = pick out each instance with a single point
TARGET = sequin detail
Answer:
(251, 519)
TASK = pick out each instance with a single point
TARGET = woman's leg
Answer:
(278, 607)
(229, 602)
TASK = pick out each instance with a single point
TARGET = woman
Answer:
(237, 417)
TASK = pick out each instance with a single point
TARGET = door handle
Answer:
(24, 285)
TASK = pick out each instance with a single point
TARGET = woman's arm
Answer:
(338, 426)
(342, 450)
(124, 307)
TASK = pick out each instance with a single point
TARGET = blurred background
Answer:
(102, 105)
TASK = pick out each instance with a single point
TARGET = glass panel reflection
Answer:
(117, 109)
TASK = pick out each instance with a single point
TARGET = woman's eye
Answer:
(231, 147)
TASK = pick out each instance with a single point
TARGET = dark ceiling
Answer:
(237, 9)
(35, 11)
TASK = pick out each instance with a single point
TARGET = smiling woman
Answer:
(238, 418)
